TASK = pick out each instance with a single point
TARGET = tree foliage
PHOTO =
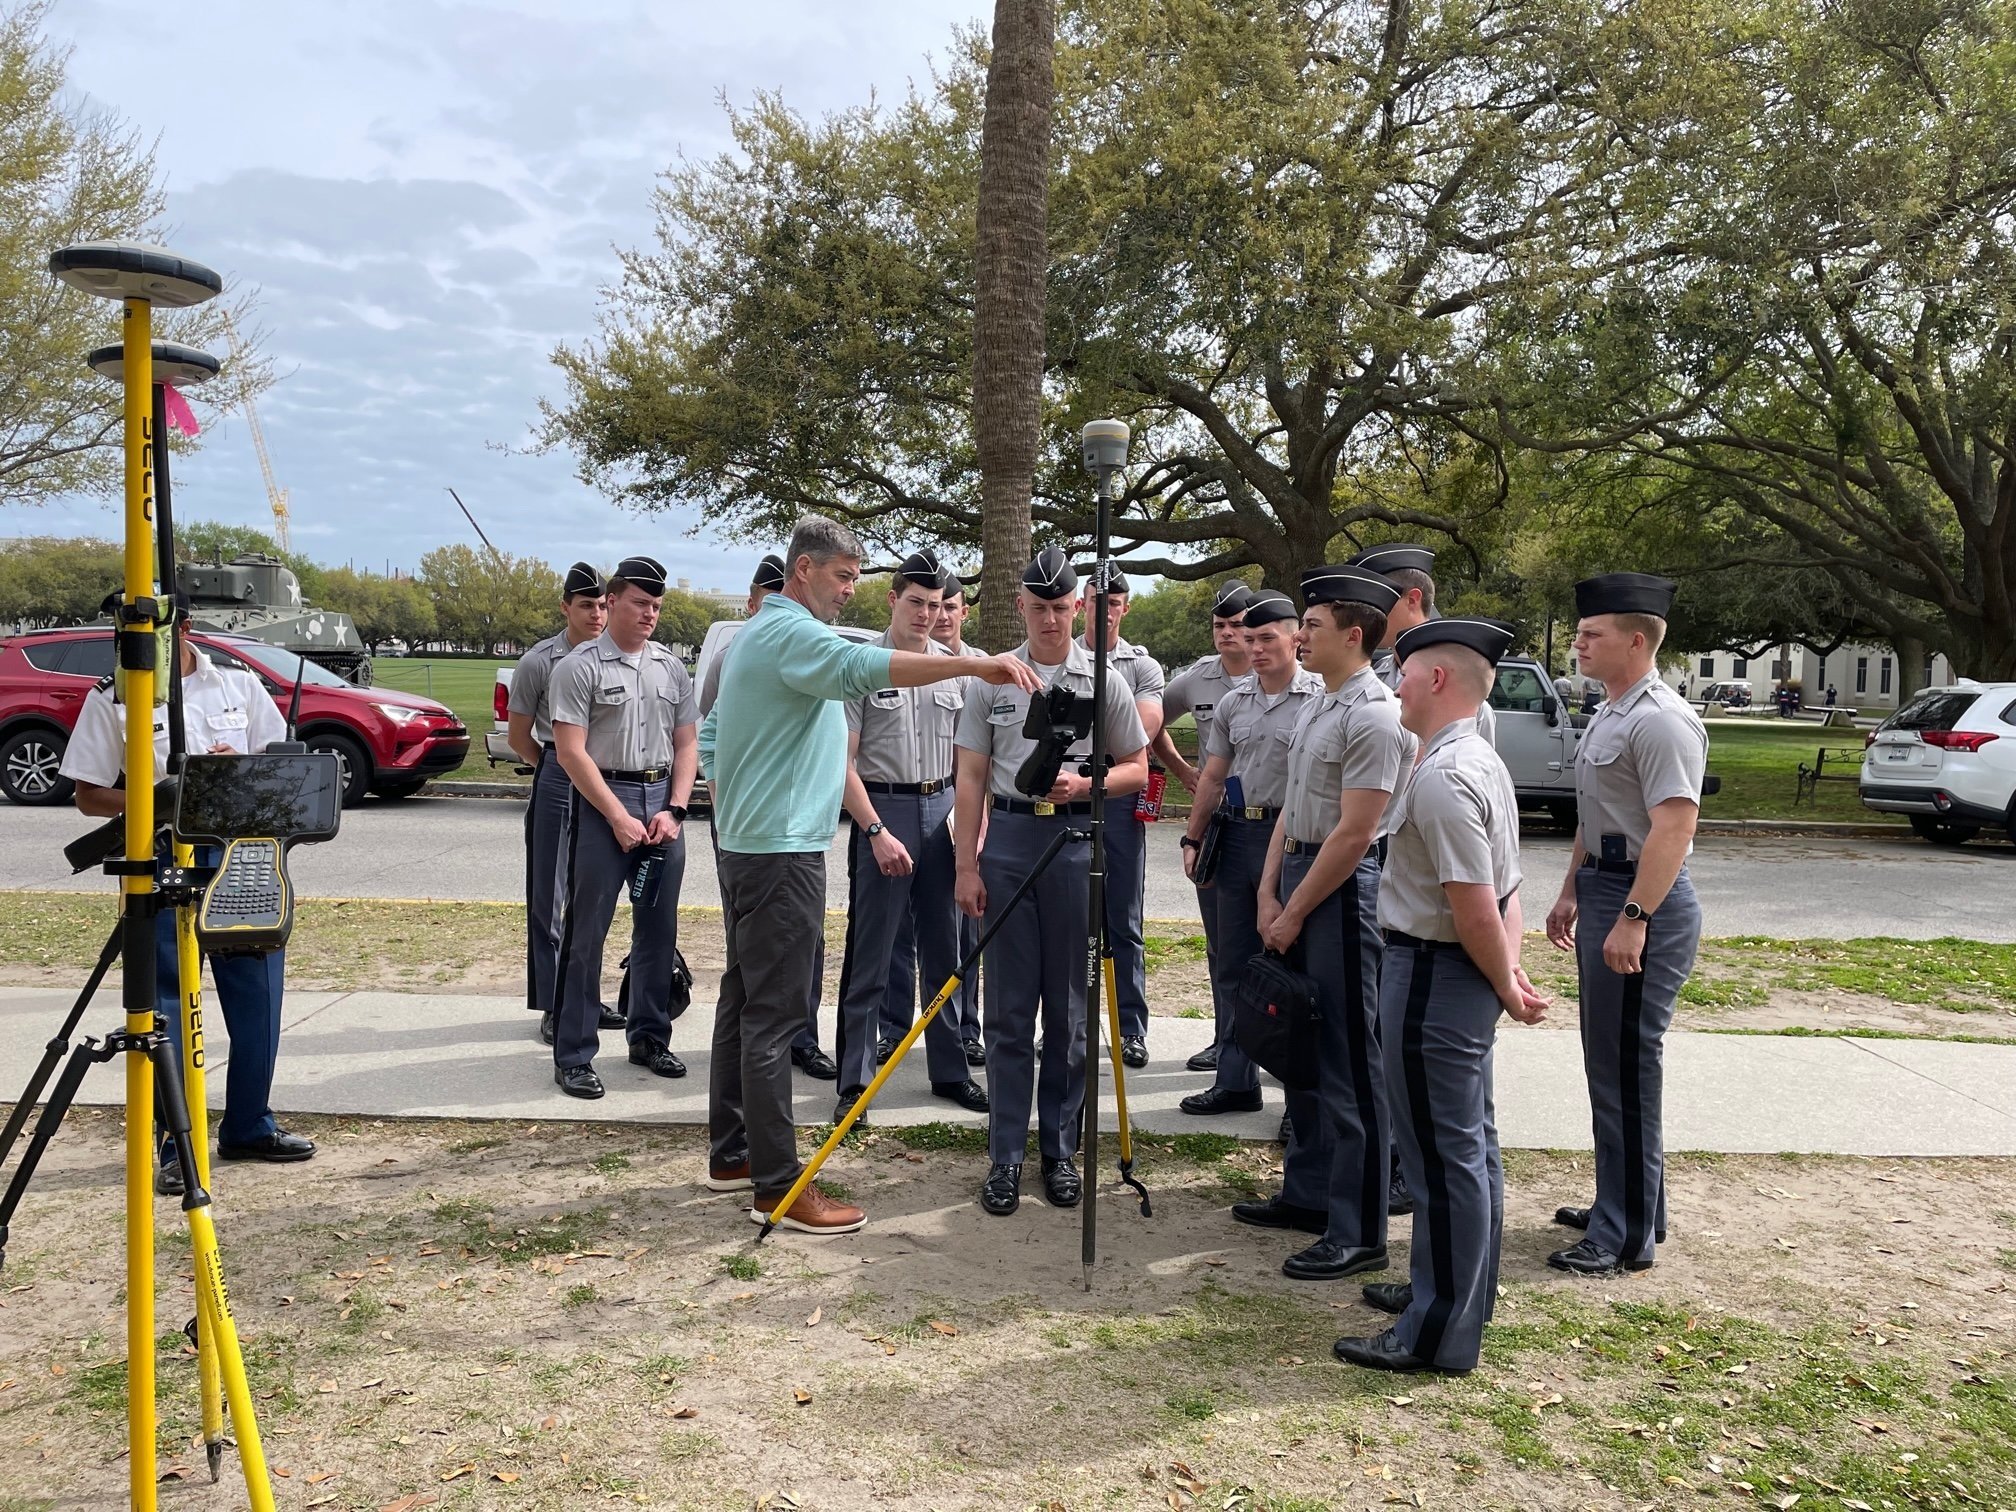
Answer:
(384, 608)
(485, 601)
(45, 580)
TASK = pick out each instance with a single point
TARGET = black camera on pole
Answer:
(1057, 720)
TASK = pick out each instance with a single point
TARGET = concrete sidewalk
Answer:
(387, 1054)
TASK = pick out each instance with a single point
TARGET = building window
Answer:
(1741, 668)
(1861, 674)
(1820, 677)
(1708, 666)
(1884, 672)
(1929, 680)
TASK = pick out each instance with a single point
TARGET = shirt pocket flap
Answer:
(229, 719)
(949, 696)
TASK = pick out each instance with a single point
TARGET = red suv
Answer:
(388, 743)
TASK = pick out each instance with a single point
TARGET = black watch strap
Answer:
(1188, 844)
(1637, 911)
(677, 811)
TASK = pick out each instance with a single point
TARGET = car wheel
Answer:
(29, 768)
(1943, 831)
(399, 789)
(351, 757)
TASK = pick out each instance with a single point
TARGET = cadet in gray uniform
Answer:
(625, 728)
(899, 858)
(530, 735)
(1407, 568)
(901, 1004)
(1627, 908)
(1446, 903)
(1126, 844)
(1036, 963)
(1244, 747)
(1197, 691)
(1318, 904)
(805, 1052)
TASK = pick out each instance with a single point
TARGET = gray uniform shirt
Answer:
(1253, 731)
(629, 705)
(1457, 821)
(532, 684)
(1389, 673)
(906, 733)
(1132, 664)
(993, 725)
(1639, 750)
(1199, 690)
(1346, 740)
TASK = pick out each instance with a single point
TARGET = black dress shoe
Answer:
(1061, 1183)
(1002, 1193)
(609, 1018)
(969, 1094)
(1134, 1050)
(884, 1048)
(656, 1058)
(578, 1081)
(1389, 1296)
(279, 1147)
(976, 1053)
(1325, 1261)
(1384, 1352)
(546, 1027)
(1578, 1218)
(846, 1105)
(815, 1063)
(1276, 1214)
(1399, 1201)
(1590, 1259)
(168, 1180)
(1204, 1060)
(1221, 1100)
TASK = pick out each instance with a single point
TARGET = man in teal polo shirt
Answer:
(774, 746)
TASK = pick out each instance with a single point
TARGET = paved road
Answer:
(471, 848)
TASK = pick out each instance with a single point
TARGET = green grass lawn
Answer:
(464, 685)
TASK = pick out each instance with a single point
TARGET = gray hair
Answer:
(821, 539)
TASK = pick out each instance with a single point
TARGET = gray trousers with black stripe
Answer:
(899, 1005)
(880, 908)
(545, 834)
(1624, 1023)
(598, 871)
(1231, 906)
(1126, 885)
(1438, 1021)
(1336, 1157)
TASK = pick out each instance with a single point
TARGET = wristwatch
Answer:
(677, 811)
(1637, 911)
(875, 829)
(1188, 844)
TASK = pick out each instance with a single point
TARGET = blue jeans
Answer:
(248, 992)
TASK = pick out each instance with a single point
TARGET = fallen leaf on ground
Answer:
(506, 1476)
(800, 1395)
(813, 1320)
(946, 1330)
(458, 1472)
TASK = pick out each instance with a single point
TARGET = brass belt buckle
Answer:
(1044, 808)
(1249, 812)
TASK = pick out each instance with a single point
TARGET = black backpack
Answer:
(1275, 1019)
(682, 987)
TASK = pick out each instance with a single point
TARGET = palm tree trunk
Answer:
(1011, 262)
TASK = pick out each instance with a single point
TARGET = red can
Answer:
(1148, 803)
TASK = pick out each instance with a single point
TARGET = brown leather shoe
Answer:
(734, 1178)
(813, 1213)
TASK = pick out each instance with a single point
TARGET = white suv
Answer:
(1947, 759)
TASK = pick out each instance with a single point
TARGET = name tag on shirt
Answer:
(887, 698)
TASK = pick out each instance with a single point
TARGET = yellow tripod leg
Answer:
(1120, 1083)
(819, 1158)
(189, 963)
(216, 1301)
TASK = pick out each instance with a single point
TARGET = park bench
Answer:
(1847, 764)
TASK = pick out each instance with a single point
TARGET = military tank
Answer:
(259, 596)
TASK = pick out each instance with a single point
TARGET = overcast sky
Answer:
(426, 196)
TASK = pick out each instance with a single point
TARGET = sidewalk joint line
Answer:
(1868, 1047)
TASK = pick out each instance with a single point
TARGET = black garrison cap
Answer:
(948, 582)
(583, 578)
(1051, 575)
(921, 568)
(1394, 558)
(1625, 593)
(769, 574)
(643, 572)
(1231, 601)
(1267, 606)
(1345, 585)
(1489, 638)
(1112, 579)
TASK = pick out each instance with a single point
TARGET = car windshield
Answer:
(1934, 709)
(285, 665)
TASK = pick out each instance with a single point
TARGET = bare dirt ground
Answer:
(480, 1316)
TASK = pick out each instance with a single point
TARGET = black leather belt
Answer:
(1252, 815)
(649, 774)
(549, 746)
(1406, 941)
(1610, 868)
(1293, 847)
(1040, 809)
(916, 789)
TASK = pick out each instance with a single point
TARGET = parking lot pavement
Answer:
(471, 848)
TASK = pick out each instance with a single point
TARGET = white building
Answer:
(1863, 677)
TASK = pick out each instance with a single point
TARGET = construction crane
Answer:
(275, 494)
